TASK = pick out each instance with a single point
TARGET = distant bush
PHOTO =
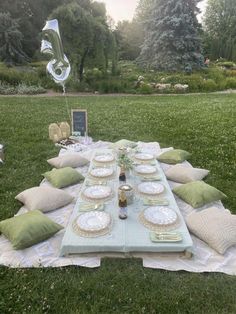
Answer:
(226, 64)
(145, 89)
(230, 82)
(21, 89)
(7, 89)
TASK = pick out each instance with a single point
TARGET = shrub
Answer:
(209, 86)
(23, 89)
(226, 64)
(230, 82)
(145, 89)
(7, 89)
(216, 74)
(94, 74)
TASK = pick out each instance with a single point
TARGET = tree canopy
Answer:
(172, 39)
(10, 40)
(86, 36)
(220, 29)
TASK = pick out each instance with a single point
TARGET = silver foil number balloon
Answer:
(59, 66)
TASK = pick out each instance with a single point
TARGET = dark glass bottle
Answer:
(123, 205)
(122, 176)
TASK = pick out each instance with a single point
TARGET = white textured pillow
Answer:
(73, 160)
(183, 174)
(44, 198)
(215, 227)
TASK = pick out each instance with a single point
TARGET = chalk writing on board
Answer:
(79, 122)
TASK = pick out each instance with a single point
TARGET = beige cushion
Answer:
(183, 174)
(215, 227)
(73, 160)
(44, 198)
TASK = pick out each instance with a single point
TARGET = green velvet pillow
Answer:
(28, 229)
(174, 156)
(198, 193)
(63, 177)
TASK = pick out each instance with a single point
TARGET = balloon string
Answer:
(66, 100)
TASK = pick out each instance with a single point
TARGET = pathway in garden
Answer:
(51, 93)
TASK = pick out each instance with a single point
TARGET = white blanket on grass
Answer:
(46, 254)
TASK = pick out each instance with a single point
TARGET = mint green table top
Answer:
(126, 235)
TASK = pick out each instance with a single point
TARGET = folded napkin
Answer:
(86, 207)
(151, 178)
(159, 201)
(165, 236)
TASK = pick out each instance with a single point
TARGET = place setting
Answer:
(101, 174)
(104, 159)
(159, 218)
(144, 158)
(97, 193)
(92, 224)
(147, 172)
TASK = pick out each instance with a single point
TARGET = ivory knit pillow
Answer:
(44, 198)
(73, 160)
(183, 174)
(215, 227)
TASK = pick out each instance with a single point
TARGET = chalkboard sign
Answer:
(79, 122)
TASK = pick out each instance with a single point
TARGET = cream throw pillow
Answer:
(44, 198)
(73, 160)
(182, 174)
(215, 227)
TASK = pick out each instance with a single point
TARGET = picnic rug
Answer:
(46, 254)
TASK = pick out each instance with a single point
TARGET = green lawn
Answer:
(202, 124)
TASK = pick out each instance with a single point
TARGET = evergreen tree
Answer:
(171, 41)
(10, 40)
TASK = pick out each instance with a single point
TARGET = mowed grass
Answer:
(205, 125)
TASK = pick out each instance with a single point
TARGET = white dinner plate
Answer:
(93, 221)
(101, 172)
(104, 158)
(145, 169)
(160, 215)
(97, 191)
(151, 188)
(144, 156)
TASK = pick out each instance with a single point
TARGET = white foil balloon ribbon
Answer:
(59, 66)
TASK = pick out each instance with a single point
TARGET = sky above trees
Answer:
(124, 9)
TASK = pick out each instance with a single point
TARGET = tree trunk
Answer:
(81, 67)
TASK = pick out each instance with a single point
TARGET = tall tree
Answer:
(220, 29)
(172, 41)
(129, 38)
(10, 40)
(85, 35)
(31, 16)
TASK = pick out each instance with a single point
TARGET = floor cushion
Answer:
(198, 193)
(183, 174)
(60, 178)
(215, 227)
(44, 198)
(174, 156)
(28, 229)
(73, 160)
